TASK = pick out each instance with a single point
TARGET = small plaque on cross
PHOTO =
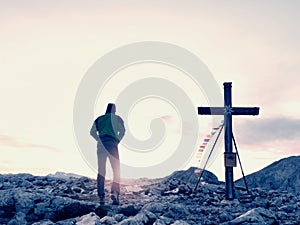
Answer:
(230, 159)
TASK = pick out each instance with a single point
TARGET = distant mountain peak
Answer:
(64, 175)
(283, 175)
(189, 176)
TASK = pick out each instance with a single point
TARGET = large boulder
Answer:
(255, 216)
(90, 219)
(144, 217)
(37, 206)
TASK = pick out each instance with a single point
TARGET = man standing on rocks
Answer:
(108, 130)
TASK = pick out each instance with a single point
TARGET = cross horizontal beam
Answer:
(233, 111)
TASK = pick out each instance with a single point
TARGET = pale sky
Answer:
(47, 47)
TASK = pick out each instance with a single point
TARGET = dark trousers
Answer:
(108, 149)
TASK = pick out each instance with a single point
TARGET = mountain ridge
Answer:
(283, 175)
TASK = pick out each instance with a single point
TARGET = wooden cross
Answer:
(228, 111)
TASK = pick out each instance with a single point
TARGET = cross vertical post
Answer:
(228, 111)
(228, 140)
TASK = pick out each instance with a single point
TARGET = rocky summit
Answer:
(64, 199)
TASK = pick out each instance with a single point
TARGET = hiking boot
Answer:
(102, 199)
(115, 198)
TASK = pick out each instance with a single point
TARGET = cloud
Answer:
(278, 129)
(14, 142)
(167, 118)
(186, 128)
